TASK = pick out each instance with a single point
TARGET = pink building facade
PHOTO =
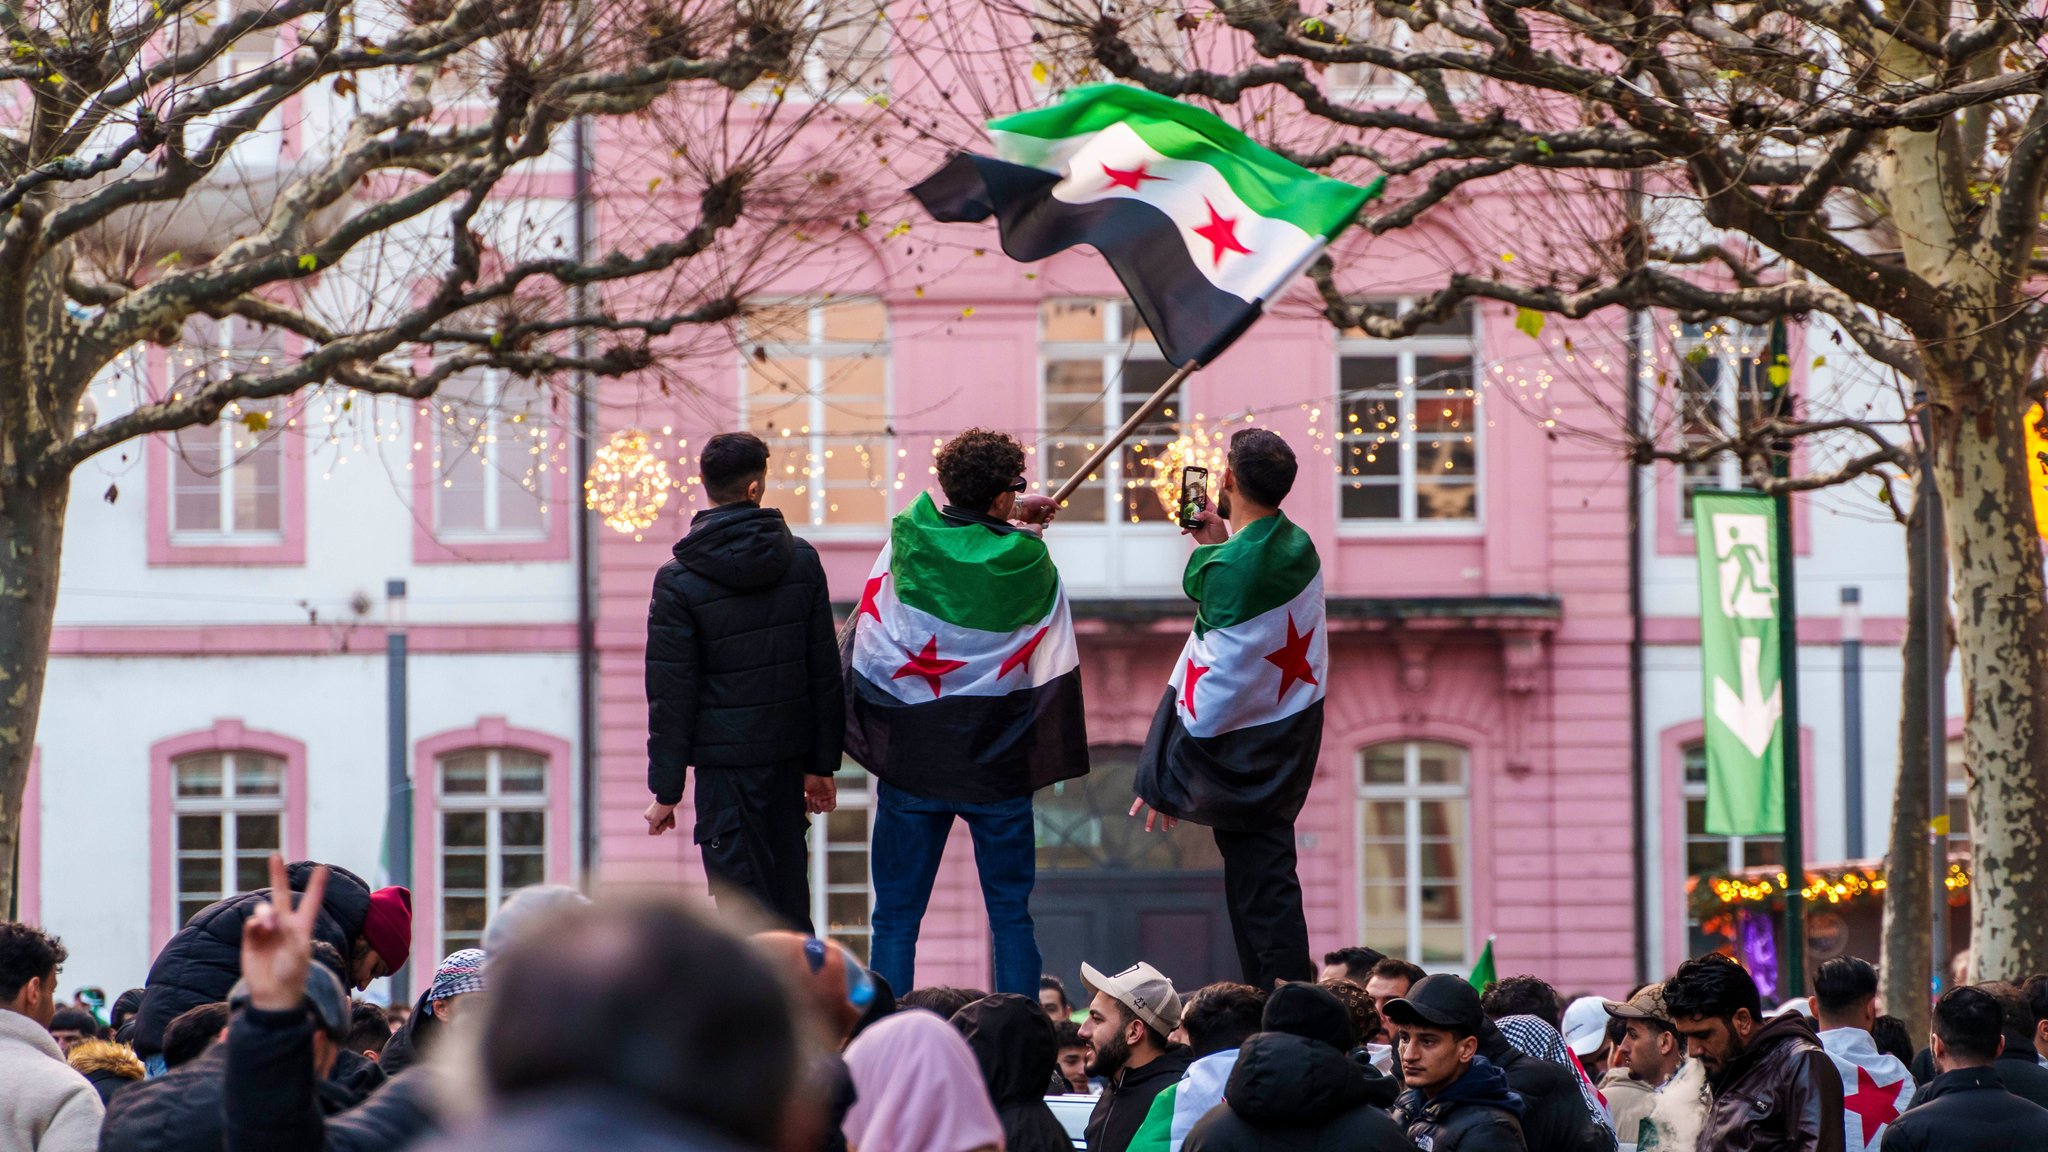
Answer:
(1475, 770)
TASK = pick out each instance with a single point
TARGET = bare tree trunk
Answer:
(1907, 903)
(31, 541)
(2002, 636)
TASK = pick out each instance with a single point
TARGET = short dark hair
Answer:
(2019, 1015)
(587, 998)
(26, 952)
(728, 461)
(1067, 1034)
(126, 1005)
(941, 999)
(1357, 961)
(368, 1030)
(192, 1032)
(1365, 1015)
(1843, 984)
(2036, 989)
(1221, 1017)
(1263, 465)
(1521, 996)
(1969, 1022)
(1714, 986)
(1890, 1035)
(1395, 968)
(329, 957)
(75, 1020)
(1052, 983)
(977, 466)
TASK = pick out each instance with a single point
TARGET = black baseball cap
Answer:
(1440, 1001)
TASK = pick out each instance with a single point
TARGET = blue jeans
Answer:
(910, 838)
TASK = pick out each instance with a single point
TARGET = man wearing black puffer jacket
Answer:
(743, 684)
(1295, 1089)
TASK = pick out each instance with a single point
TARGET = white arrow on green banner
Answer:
(1739, 660)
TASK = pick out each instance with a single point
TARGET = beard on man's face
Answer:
(1107, 1058)
(1223, 505)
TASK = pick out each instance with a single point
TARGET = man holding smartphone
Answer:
(1234, 743)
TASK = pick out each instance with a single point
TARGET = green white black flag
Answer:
(1739, 662)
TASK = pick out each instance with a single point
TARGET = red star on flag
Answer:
(1187, 687)
(1292, 658)
(1022, 656)
(1221, 232)
(929, 665)
(867, 599)
(1877, 1104)
(1133, 179)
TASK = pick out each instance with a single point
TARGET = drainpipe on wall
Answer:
(398, 777)
(584, 538)
(1639, 783)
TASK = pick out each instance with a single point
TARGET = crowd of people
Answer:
(636, 1023)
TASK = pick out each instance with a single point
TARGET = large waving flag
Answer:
(963, 678)
(1234, 742)
(1201, 224)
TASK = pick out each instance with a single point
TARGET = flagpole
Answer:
(1145, 412)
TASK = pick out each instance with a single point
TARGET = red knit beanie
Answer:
(388, 927)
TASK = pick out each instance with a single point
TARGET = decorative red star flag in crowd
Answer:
(1234, 742)
(963, 677)
(1202, 225)
(1876, 1087)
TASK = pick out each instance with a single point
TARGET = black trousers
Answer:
(751, 831)
(1264, 895)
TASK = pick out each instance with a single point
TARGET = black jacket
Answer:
(2020, 1070)
(1477, 1113)
(1018, 1052)
(742, 660)
(1120, 1110)
(267, 1101)
(1293, 1094)
(1968, 1110)
(202, 962)
(412, 1039)
(1554, 1113)
(564, 1117)
(176, 1112)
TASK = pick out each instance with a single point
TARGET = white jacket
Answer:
(45, 1105)
(1875, 1087)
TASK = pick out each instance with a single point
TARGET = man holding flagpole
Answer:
(963, 698)
(1234, 742)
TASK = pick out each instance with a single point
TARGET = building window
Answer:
(227, 478)
(227, 817)
(841, 895)
(1723, 387)
(491, 458)
(1710, 855)
(493, 817)
(816, 388)
(1413, 801)
(1100, 367)
(1409, 426)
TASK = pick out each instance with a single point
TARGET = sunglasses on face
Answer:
(1020, 484)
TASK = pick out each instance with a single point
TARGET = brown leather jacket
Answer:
(1781, 1095)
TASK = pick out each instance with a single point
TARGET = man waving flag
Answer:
(1234, 742)
(963, 698)
(1201, 224)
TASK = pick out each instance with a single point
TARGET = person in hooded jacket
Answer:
(1295, 1087)
(743, 684)
(1014, 1043)
(1456, 1100)
(1555, 1115)
(371, 930)
(1217, 1019)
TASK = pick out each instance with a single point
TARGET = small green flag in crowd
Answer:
(1483, 973)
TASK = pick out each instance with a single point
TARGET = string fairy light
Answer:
(628, 483)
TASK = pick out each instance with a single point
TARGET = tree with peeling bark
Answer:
(382, 190)
(1877, 163)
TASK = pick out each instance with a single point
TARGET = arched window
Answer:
(221, 801)
(1413, 827)
(842, 893)
(492, 835)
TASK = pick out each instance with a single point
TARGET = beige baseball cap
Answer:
(1143, 989)
(1647, 1004)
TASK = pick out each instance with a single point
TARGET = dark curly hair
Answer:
(977, 466)
(1522, 996)
(1711, 986)
(26, 952)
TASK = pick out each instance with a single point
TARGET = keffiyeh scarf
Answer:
(1533, 1037)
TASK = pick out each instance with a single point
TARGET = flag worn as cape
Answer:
(963, 679)
(1201, 224)
(1235, 740)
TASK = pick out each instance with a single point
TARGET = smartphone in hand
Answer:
(1194, 496)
